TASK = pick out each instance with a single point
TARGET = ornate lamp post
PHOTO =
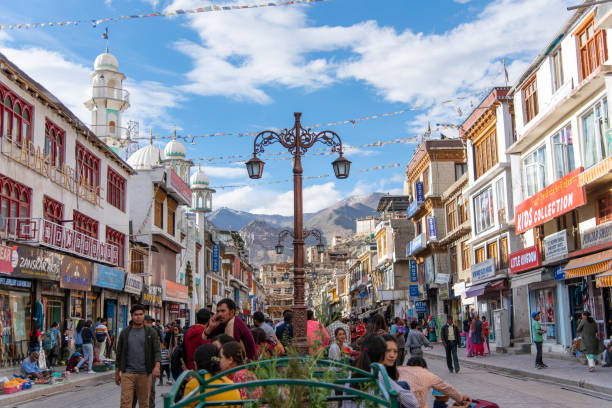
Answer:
(298, 140)
(314, 232)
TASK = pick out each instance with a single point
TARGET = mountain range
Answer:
(260, 231)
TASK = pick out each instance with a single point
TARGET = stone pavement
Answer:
(42, 390)
(562, 371)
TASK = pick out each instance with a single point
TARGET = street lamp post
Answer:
(298, 140)
(305, 234)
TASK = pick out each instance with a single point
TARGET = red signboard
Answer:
(180, 186)
(525, 259)
(6, 259)
(558, 198)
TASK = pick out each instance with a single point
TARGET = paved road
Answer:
(508, 392)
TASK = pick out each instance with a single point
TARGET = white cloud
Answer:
(220, 172)
(260, 200)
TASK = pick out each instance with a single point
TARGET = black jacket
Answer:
(152, 349)
(445, 333)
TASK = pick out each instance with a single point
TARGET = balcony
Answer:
(109, 132)
(48, 234)
(110, 93)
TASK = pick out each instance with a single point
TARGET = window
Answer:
(453, 259)
(492, 252)
(563, 152)
(53, 210)
(54, 143)
(480, 255)
(88, 166)
(534, 166)
(116, 189)
(597, 144)
(460, 170)
(85, 224)
(15, 199)
(483, 210)
(604, 208)
(160, 197)
(172, 204)
(530, 100)
(462, 210)
(451, 216)
(137, 265)
(485, 154)
(501, 201)
(592, 50)
(503, 252)
(426, 181)
(118, 239)
(16, 116)
(556, 68)
(465, 256)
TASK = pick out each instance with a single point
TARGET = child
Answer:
(165, 364)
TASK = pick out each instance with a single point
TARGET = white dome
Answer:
(199, 180)
(174, 150)
(146, 158)
(106, 61)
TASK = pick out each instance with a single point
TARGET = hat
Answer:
(148, 318)
(534, 314)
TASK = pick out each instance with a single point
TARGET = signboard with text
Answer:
(525, 259)
(596, 235)
(75, 274)
(414, 275)
(414, 291)
(483, 270)
(555, 245)
(215, 258)
(431, 224)
(420, 306)
(558, 198)
(37, 263)
(6, 259)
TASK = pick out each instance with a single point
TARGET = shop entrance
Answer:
(110, 306)
(54, 311)
(578, 296)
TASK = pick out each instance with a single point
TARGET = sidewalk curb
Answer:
(525, 373)
(45, 390)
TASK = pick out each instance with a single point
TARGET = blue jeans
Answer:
(87, 355)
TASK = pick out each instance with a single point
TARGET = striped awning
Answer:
(589, 265)
(604, 280)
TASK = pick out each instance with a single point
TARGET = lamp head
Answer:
(341, 167)
(279, 249)
(320, 248)
(255, 167)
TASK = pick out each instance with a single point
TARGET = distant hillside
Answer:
(260, 232)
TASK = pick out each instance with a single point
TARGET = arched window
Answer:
(17, 122)
(26, 125)
(88, 166)
(16, 116)
(8, 117)
(111, 128)
(15, 198)
(53, 210)
(54, 143)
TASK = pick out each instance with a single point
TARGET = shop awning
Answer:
(589, 265)
(604, 280)
(475, 290)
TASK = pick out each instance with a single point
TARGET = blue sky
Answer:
(249, 70)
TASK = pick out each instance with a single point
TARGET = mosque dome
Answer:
(146, 158)
(199, 180)
(106, 61)
(174, 150)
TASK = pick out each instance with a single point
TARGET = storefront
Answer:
(15, 319)
(176, 298)
(75, 275)
(604, 282)
(111, 280)
(152, 299)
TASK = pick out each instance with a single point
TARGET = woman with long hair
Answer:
(391, 356)
(591, 345)
(339, 350)
(232, 356)
(78, 340)
(421, 381)
(373, 349)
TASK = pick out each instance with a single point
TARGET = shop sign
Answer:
(597, 235)
(414, 291)
(75, 274)
(6, 260)
(414, 274)
(525, 259)
(175, 292)
(177, 183)
(215, 260)
(555, 245)
(420, 306)
(459, 288)
(442, 278)
(419, 201)
(16, 283)
(431, 223)
(560, 272)
(32, 262)
(152, 295)
(174, 308)
(110, 278)
(416, 243)
(429, 269)
(133, 284)
(558, 198)
(444, 292)
(483, 270)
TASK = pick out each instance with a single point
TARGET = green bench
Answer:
(380, 393)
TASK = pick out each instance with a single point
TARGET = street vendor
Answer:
(31, 366)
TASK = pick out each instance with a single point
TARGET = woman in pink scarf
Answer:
(316, 334)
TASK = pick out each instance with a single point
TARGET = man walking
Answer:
(193, 337)
(536, 333)
(416, 339)
(138, 360)
(450, 339)
(226, 321)
(102, 337)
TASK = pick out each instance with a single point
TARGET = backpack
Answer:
(178, 357)
(49, 340)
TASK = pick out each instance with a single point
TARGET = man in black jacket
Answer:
(451, 338)
(138, 360)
